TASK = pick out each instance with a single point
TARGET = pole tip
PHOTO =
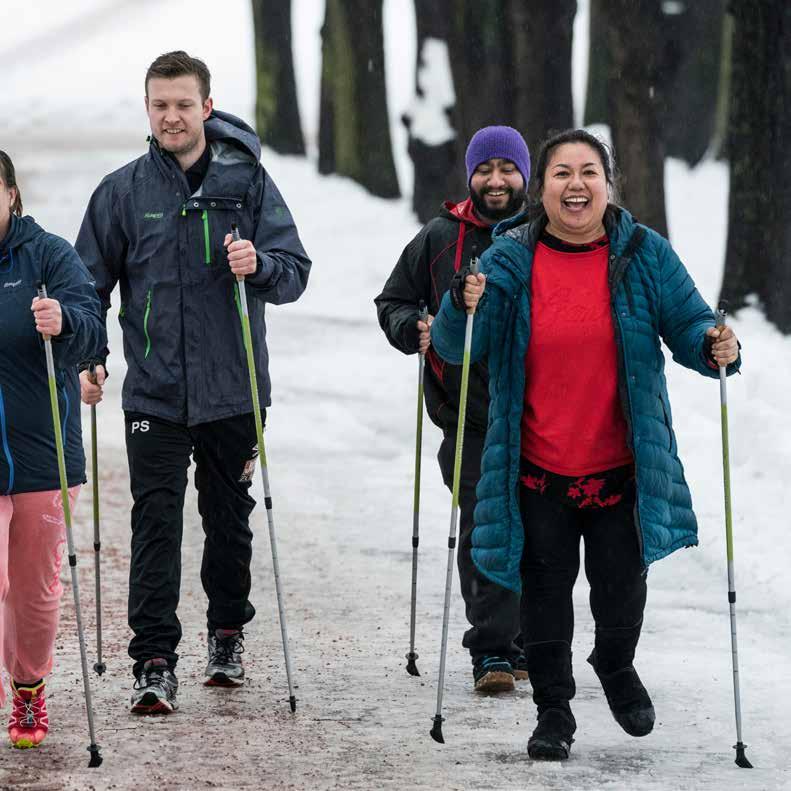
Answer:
(292, 701)
(436, 731)
(741, 758)
(96, 756)
(411, 667)
(99, 667)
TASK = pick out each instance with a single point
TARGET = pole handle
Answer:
(722, 313)
(422, 311)
(236, 237)
(41, 292)
(475, 268)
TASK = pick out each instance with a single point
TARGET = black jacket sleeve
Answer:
(283, 264)
(409, 282)
(101, 244)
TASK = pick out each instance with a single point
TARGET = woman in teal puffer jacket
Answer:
(580, 441)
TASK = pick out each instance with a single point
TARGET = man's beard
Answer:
(514, 205)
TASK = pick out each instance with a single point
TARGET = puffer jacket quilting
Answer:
(653, 296)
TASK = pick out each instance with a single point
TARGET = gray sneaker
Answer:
(154, 691)
(225, 658)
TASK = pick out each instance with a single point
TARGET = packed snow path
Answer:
(340, 447)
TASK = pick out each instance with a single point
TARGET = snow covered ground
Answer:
(340, 448)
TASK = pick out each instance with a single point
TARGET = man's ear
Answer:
(208, 106)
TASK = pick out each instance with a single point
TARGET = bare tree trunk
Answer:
(759, 228)
(634, 99)
(354, 127)
(598, 67)
(541, 37)
(480, 59)
(434, 145)
(276, 108)
(693, 41)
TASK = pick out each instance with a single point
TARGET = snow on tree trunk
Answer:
(434, 146)
(433, 143)
(276, 107)
(354, 125)
(759, 210)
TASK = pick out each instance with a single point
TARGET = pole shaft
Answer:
(64, 491)
(416, 502)
(96, 533)
(465, 378)
(259, 430)
(726, 479)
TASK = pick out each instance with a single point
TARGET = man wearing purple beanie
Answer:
(498, 171)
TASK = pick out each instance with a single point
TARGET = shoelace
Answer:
(226, 647)
(32, 709)
(150, 678)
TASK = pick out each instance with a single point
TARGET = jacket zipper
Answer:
(6, 448)
(145, 324)
(206, 238)
(623, 391)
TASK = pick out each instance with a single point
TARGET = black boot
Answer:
(629, 701)
(552, 737)
(549, 669)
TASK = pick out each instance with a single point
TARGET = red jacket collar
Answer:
(466, 213)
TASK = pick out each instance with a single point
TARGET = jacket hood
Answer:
(224, 127)
(21, 230)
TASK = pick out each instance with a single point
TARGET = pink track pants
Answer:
(32, 537)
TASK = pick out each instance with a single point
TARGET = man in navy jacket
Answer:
(160, 227)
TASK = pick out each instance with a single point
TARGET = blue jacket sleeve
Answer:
(102, 244)
(448, 329)
(83, 335)
(684, 316)
(283, 264)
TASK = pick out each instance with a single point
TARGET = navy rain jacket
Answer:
(179, 308)
(29, 256)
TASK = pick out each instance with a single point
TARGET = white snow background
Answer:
(341, 432)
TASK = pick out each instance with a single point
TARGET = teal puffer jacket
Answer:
(652, 297)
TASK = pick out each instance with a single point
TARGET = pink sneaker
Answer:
(28, 723)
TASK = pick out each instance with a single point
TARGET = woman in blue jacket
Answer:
(580, 442)
(32, 530)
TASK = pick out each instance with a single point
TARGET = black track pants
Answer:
(493, 611)
(550, 564)
(159, 456)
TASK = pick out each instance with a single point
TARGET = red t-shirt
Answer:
(572, 422)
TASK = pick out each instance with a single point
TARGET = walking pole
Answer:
(436, 731)
(740, 746)
(411, 667)
(93, 749)
(259, 430)
(99, 666)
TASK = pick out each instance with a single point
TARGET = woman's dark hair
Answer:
(8, 175)
(558, 139)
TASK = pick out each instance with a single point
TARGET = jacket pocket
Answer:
(146, 316)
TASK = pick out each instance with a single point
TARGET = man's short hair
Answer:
(177, 64)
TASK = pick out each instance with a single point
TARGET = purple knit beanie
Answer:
(497, 142)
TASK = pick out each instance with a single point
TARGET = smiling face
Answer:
(176, 112)
(497, 189)
(574, 193)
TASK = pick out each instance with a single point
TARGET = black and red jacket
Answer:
(424, 271)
